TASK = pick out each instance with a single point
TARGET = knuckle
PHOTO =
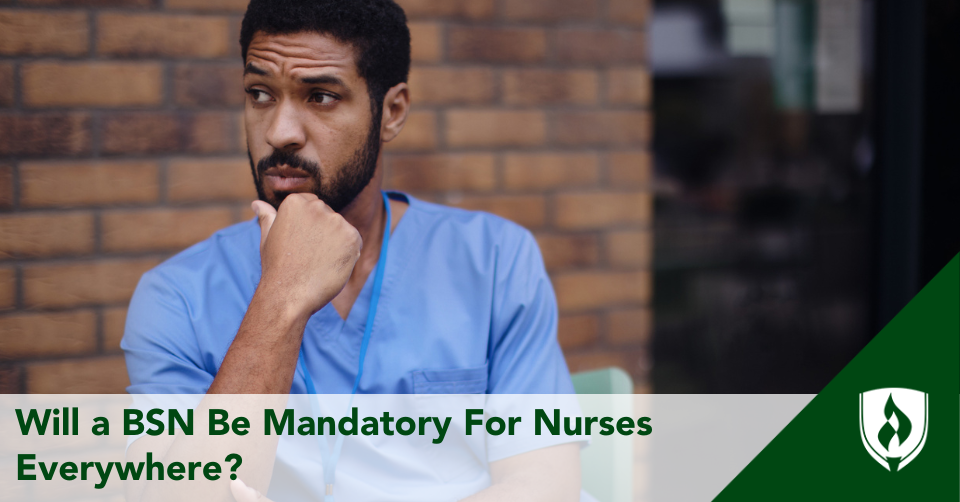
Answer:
(318, 207)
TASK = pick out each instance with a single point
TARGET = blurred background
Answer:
(730, 195)
(806, 182)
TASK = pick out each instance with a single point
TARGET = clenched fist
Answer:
(307, 253)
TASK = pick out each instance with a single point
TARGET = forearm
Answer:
(257, 451)
(548, 474)
(531, 490)
(262, 358)
(307, 254)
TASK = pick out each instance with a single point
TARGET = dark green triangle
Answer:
(820, 456)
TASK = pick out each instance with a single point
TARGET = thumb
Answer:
(265, 216)
(243, 493)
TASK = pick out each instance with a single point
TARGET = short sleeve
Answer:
(525, 357)
(159, 341)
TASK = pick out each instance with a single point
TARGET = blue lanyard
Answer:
(330, 459)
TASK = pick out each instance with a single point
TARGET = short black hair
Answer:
(377, 29)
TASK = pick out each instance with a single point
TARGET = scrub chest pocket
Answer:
(454, 381)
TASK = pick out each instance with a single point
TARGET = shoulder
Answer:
(231, 250)
(478, 228)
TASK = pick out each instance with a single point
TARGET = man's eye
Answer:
(258, 96)
(323, 98)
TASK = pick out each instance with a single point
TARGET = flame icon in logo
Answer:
(901, 429)
(893, 425)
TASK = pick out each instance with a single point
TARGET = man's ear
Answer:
(396, 106)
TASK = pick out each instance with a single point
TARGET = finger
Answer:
(308, 195)
(266, 214)
(244, 493)
(302, 196)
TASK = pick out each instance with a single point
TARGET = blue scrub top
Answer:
(466, 307)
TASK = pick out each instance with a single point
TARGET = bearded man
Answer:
(338, 287)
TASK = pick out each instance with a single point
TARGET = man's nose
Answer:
(286, 130)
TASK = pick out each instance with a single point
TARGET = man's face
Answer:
(310, 127)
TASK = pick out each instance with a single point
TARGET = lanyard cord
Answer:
(330, 459)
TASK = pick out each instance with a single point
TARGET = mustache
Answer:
(286, 157)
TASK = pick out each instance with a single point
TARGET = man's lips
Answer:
(286, 172)
(284, 178)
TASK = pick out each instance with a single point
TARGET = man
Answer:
(284, 304)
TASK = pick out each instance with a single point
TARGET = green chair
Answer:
(606, 466)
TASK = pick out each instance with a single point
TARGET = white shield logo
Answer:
(893, 425)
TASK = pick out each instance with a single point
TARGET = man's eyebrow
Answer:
(323, 79)
(249, 68)
(315, 80)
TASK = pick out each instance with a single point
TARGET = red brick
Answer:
(628, 86)
(114, 321)
(630, 169)
(451, 85)
(245, 212)
(579, 362)
(161, 229)
(629, 248)
(524, 171)
(82, 283)
(592, 46)
(603, 128)
(470, 9)
(11, 380)
(497, 45)
(469, 172)
(6, 186)
(92, 183)
(8, 288)
(551, 10)
(142, 133)
(629, 327)
(102, 375)
(569, 251)
(418, 134)
(537, 87)
(480, 128)
(47, 334)
(211, 132)
(92, 84)
(527, 210)
(578, 331)
(201, 180)
(238, 6)
(38, 33)
(6, 84)
(632, 12)
(602, 209)
(241, 134)
(426, 42)
(578, 291)
(163, 35)
(206, 85)
(47, 234)
(46, 134)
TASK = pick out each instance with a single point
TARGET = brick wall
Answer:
(116, 116)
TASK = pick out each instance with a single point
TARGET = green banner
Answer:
(887, 427)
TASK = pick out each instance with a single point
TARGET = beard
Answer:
(337, 190)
